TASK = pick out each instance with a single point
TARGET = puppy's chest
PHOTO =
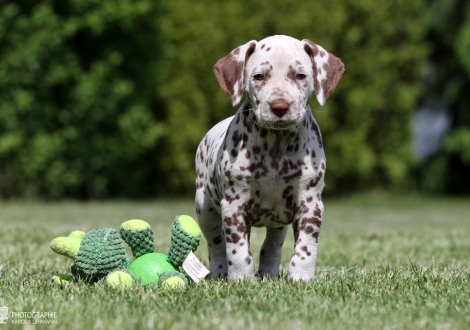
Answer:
(271, 201)
(268, 179)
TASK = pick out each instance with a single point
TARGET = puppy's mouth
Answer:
(277, 125)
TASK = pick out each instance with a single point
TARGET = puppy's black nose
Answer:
(280, 108)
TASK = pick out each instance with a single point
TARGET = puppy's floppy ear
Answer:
(230, 71)
(327, 70)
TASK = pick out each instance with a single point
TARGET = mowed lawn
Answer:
(385, 262)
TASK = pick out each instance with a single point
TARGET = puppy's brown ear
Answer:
(230, 71)
(327, 70)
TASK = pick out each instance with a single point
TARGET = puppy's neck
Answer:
(274, 141)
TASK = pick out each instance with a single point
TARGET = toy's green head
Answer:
(96, 253)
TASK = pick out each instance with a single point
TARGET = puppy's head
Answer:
(279, 74)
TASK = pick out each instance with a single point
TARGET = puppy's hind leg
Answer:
(211, 226)
(271, 251)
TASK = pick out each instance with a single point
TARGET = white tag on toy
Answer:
(194, 267)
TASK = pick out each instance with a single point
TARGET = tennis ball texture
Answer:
(189, 225)
(119, 279)
(135, 224)
(174, 282)
(149, 267)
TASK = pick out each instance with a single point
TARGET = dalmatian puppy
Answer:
(265, 166)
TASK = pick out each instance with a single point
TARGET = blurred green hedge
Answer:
(78, 107)
(111, 98)
(449, 33)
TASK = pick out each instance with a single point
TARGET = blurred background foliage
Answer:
(78, 102)
(448, 87)
(102, 99)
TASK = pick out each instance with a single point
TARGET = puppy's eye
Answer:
(259, 76)
(300, 76)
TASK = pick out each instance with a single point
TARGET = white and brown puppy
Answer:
(265, 166)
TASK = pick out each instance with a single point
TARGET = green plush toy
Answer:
(101, 254)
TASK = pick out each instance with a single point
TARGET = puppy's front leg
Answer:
(237, 236)
(306, 233)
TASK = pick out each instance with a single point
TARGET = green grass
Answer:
(385, 262)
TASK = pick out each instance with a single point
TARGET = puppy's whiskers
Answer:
(251, 119)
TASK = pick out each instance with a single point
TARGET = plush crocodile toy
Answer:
(101, 254)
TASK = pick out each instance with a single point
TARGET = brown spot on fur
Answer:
(234, 238)
(313, 183)
(305, 249)
(317, 212)
(291, 73)
(310, 221)
(315, 236)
